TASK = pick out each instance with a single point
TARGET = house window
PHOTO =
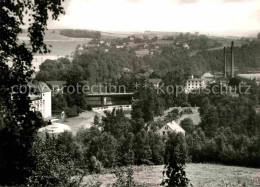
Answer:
(163, 132)
(166, 127)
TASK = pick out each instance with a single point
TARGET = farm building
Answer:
(171, 127)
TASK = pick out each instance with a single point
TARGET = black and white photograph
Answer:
(130, 93)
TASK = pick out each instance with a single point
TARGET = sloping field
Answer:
(200, 175)
(195, 116)
(61, 45)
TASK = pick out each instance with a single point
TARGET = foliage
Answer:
(188, 125)
(125, 178)
(175, 157)
(51, 70)
(96, 120)
(75, 33)
(55, 163)
(71, 112)
(172, 115)
(226, 122)
(225, 147)
(20, 124)
(58, 102)
(119, 141)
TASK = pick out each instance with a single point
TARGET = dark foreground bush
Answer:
(175, 157)
(55, 163)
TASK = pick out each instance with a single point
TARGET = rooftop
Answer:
(207, 75)
(175, 127)
(196, 79)
(155, 81)
(56, 83)
(41, 87)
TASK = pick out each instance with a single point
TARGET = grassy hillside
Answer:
(200, 175)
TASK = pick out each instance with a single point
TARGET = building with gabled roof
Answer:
(208, 77)
(171, 127)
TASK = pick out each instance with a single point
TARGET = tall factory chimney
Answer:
(225, 63)
(232, 60)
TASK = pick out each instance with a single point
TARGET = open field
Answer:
(61, 45)
(200, 175)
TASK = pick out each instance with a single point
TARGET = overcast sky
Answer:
(223, 17)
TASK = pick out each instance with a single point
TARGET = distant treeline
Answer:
(77, 33)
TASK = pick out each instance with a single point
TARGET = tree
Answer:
(258, 36)
(59, 102)
(175, 157)
(188, 125)
(20, 124)
(175, 82)
(56, 159)
(74, 92)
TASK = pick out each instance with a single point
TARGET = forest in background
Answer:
(77, 33)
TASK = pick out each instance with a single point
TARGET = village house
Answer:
(132, 38)
(40, 96)
(171, 127)
(208, 77)
(120, 46)
(186, 46)
(155, 82)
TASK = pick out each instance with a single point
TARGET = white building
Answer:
(40, 96)
(155, 82)
(194, 84)
(171, 127)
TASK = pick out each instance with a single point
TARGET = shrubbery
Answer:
(71, 112)
(225, 147)
(56, 159)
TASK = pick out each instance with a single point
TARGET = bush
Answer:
(54, 163)
(95, 165)
(89, 107)
(71, 112)
(185, 104)
(186, 111)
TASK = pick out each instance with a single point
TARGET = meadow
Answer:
(200, 175)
